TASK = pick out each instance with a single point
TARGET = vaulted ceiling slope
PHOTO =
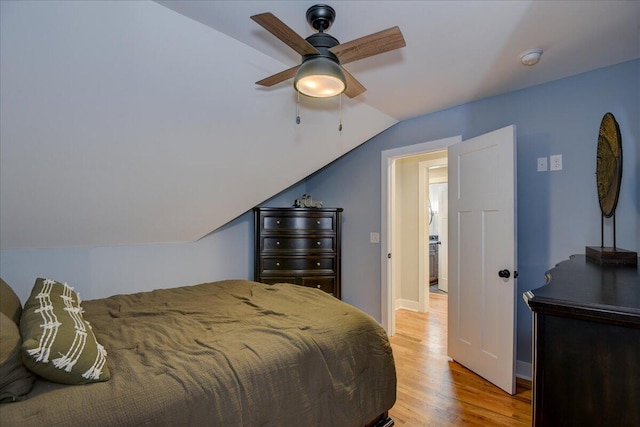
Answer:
(127, 123)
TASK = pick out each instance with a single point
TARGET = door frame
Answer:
(387, 165)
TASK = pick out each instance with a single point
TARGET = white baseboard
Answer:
(407, 305)
(524, 370)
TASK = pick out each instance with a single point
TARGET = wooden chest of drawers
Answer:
(586, 338)
(299, 246)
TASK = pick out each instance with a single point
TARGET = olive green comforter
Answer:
(231, 353)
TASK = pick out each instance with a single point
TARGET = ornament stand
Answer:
(610, 255)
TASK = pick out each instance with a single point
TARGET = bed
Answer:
(228, 353)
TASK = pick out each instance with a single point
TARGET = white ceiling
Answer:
(457, 51)
(124, 122)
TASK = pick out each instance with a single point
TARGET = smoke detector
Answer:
(531, 57)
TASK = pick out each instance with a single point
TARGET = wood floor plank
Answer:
(437, 392)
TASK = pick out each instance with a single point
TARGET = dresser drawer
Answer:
(306, 244)
(297, 224)
(275, 280)
(325, 265)
(326, 284)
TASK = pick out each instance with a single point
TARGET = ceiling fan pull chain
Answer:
(298, 110)
(340, 127)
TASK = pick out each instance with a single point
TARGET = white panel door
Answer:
(482, 243)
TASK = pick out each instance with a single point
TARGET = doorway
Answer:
(419, 221)
(481, 304)
(392, 251)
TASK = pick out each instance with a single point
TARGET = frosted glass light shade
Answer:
(531, 57)
(320, 77)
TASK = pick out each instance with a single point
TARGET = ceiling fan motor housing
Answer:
(323, 42)
(321, 16)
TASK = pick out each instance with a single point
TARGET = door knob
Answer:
(505, 274)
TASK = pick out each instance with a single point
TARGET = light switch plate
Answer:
(374, 237)
(542, 164)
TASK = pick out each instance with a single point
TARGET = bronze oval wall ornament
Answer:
(608, 179)
(609, 165)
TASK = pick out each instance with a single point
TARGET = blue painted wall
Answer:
(558, 212)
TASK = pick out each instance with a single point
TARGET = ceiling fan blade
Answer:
(373, 44)
(280, 77)
(354, 87)
(279, 29)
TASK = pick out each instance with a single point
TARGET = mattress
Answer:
(233, 353)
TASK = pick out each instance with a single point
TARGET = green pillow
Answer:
(57, 343)
(15, 379)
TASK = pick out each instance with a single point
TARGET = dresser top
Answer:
(293, 209)
(580, 288)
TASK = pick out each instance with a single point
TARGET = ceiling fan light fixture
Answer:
(323, 55)
(320, 77)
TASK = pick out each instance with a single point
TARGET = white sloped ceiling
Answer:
(127, 123)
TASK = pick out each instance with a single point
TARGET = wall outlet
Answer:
(542, 164)
(555, 162)
(374, 237)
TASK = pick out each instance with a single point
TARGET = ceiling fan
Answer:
(321, 73)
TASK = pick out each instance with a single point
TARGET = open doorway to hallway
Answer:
(419, 222)
(391, 251)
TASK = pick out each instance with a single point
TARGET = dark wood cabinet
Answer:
(433, 262)
(299, 246)
(586, 357)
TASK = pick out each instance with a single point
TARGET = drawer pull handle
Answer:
(277, 264)
(318, 286)
(318, 222)
(318, 243)
(277, 243)
(278, 222)
(318, 264)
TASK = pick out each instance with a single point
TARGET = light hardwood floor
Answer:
(432, 391)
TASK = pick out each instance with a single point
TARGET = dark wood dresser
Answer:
(299, 246)
(586, 356)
